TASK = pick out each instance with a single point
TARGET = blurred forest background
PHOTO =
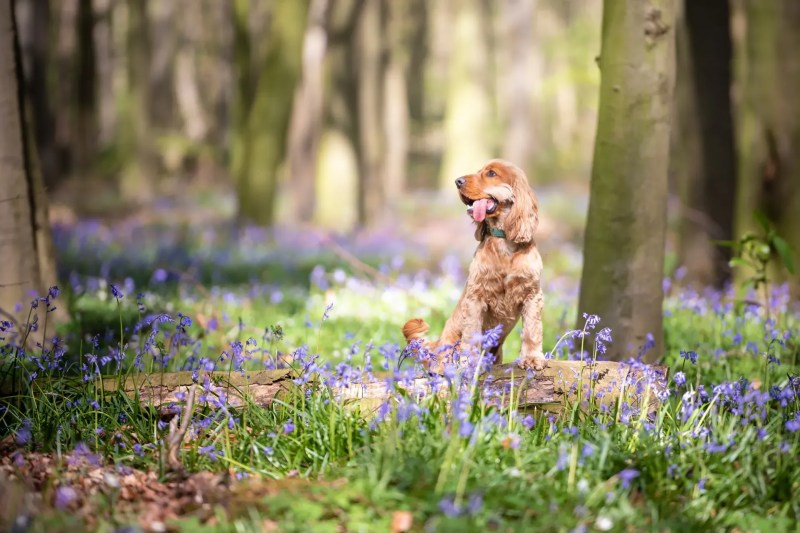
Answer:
(354, 114)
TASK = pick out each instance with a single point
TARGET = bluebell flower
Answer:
(210, 451)
(793, 425)
(627, 476)
(690, 356)
(679, 378)
(115, 292)
(448, 506)
(64, 496)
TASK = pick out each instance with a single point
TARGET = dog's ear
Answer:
(523, 219)
(480, 231)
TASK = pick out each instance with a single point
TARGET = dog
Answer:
(504, 281)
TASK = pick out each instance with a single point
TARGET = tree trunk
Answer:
(369, 58)
(468, 134)
(23, 216)
(708, 202)
(519, 76)
(138, 181)
(165, 36)
(266, 84)
(768, 122)
(307, 121)
(626, 225)
(35, 39)
(85, 124)
(396, 134)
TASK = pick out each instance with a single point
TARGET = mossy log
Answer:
(559, 385)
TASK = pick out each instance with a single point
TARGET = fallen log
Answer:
(559, 385)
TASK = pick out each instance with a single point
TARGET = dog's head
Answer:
(500, 192)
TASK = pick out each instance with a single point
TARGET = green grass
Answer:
(720, 453)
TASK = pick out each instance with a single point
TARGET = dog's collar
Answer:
(496, 232)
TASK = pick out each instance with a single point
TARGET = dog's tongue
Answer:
(479, 209)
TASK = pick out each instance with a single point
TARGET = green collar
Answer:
(496, 232)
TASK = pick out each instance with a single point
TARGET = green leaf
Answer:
(785, 251)
(737, 262)
(762, 220)
(727, 244)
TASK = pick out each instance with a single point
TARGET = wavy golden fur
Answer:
(504, 277)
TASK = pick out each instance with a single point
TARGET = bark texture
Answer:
(24, 233)
(625, 230)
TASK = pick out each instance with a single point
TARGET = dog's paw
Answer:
(533, 362)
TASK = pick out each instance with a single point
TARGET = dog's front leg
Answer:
(532, 355)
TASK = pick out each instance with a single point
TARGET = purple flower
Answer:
(474, 503)
(680, 379)
(793, 425)
(626, 476)
(210, 451)
(288, 427)
(64, 496)
(53, 292)
(448, 506)
(23, 435)
(690, 356)
(528, 422)
(115, 292)
(591, 321)
(491, 337)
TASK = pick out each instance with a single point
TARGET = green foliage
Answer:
(718, 454)
(755, 251)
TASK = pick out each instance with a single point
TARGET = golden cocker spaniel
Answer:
(504, 281)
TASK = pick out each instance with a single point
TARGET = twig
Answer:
(352, 260)
(176, 433)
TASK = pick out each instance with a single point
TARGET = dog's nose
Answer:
(460, 182)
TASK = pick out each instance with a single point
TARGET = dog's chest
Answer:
(503, 285)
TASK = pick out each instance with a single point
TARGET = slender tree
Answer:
(626, 225)
(28, 265)
(768, 119)
(266, 77)
(35, 39)
(307, 121)
(706, 141)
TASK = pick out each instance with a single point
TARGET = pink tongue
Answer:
(479, 209)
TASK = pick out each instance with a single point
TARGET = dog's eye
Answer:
(491, 173)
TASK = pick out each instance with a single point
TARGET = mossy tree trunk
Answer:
(768, 121)
(626, 226)
(267, 69)
(28, 265)
(706, 142)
